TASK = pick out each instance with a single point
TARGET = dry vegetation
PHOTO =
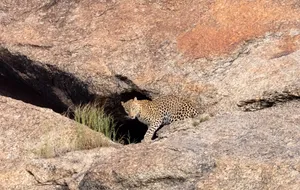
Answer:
(95, 118)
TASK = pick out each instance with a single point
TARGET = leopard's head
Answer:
(132, 108)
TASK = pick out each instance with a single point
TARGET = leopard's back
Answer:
(168, 109)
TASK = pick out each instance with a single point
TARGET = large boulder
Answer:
(28, 132)
(214, 52)
(226, 56)
(240, 150)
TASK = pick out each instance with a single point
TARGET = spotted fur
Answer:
(161, 111)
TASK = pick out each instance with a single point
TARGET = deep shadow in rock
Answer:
(20, 91)
(47, 86)
(29, 80)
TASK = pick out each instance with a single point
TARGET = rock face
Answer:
(28, 132)
(240, 150)
(226, 56)
(215, 52)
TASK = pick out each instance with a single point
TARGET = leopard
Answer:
(159, 112)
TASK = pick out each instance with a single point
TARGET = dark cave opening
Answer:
(40, 85)
(20, 91)
(46, 86)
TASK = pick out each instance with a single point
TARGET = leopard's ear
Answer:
(135, 99)
(122, 103)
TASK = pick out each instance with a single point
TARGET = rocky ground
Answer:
(238, 61)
